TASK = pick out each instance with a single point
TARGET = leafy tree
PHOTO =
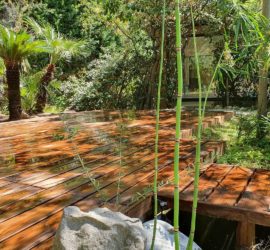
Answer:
(246, 63)
(14, 48)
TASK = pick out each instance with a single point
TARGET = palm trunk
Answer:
(41, 98)
(262, 93)
(262, 101)
(227, 93)
(152, 81)
(14, 96)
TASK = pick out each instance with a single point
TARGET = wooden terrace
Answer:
(101, 158)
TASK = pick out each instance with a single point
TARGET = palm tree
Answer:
(14, 48)
(61, 49)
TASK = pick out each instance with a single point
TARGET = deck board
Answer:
(209, 180)
(231, 188)
(257, 197)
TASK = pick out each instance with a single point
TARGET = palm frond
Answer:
(16, 46)
(60, 47)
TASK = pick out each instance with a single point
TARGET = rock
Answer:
(99, 229)
(164, 236)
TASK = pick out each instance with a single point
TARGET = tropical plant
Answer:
(29, 90)
(3, 99)
(60, 49)
(14, 48)
(2, 67)
(247, 30)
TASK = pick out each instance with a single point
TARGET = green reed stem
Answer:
(201, 115)
(157, 125)
(198, 145)
(120, 163)
(178, 122)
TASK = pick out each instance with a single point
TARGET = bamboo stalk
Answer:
(178, 122)
(198, 145)
(157, 125)
(201, 115)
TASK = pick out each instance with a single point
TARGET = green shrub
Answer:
(243, 148)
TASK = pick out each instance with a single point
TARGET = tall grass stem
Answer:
(155, 185)
(178, 121)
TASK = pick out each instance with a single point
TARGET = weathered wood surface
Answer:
(229, 192)
(41, 170)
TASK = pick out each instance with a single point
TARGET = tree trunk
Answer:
(42, 95)
(263, 81)
(152, 82)
(262, 93)
(14, 96)
(227, 93)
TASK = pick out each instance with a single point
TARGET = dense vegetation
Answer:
(120, 63)
(243, 147)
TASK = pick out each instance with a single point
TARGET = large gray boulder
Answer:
(99, 229)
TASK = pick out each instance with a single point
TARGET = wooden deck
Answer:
(230, 192)
(106, 158)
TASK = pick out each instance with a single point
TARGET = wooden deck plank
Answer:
(186, 177)
(209, 180)
(257, 194)
(144, 187)
(226, 212)
(4, 182)
(231, 188)
(13, 197)
(15, 188)
(43, 245)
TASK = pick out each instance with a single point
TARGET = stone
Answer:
(99, 229)
(165, 237)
